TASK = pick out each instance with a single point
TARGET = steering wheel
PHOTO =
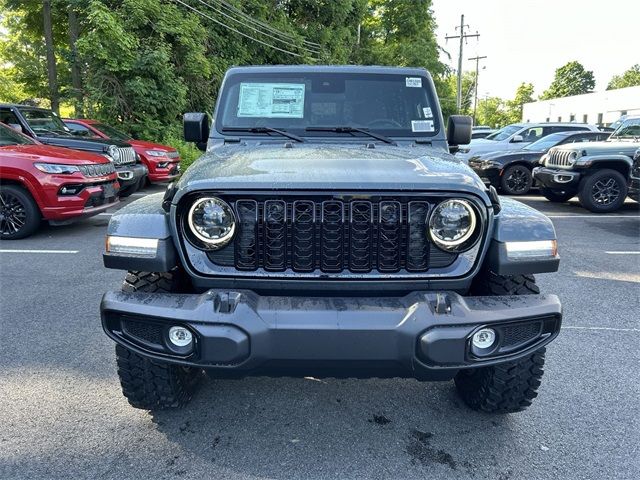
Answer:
(384, 122)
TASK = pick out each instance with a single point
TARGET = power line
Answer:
(257, 30)
(255, 21)
(463, 36)
(215, 20)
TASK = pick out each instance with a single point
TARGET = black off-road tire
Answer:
(504, 388)
(151, 384)
(507, 387)
(516, 180)
(588, 191)
(22, 216)
(557, 196)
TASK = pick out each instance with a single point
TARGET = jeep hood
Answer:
(329, 167)
(92, 145)
(616, 147)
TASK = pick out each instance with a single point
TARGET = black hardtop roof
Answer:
(20, 106)
(374, 69)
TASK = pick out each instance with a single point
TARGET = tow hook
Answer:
(442, 304)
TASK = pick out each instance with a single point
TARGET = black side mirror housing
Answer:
(196, 127)
(459, 131)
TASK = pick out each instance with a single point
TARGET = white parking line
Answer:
(105, 214)
(612, 329)
(593, 216)
(623, 253)
(37, 251)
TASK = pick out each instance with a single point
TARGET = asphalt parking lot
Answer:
(64, 417)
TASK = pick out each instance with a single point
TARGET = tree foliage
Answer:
(524, 94)
(570, 79)
(630, 78)
(492, 111)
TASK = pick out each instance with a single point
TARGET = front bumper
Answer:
(634, 188)
(130, 174)
(557, 178)
(93, 199)
(426, 335)
(166, 174)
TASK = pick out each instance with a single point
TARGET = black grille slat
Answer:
(246, 251)
(332, 237)
(418, 244)
(389, 236)
(275, 235)
(303, 236)
(360, 236)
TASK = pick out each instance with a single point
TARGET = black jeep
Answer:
(328, 231)
(46, 126)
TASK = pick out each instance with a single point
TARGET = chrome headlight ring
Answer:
(454, 226)
(212, 222)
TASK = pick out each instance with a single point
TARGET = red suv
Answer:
(52, 183)
(162, 161)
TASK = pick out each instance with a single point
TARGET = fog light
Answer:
(180, 336)
(484, 338)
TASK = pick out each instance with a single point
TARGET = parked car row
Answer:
(51, 171)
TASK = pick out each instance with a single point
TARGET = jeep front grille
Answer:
(97, 170)
(560, 158)
(332, 235)
(124, 156)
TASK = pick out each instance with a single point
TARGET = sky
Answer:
(526, 40)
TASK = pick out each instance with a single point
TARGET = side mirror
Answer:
(517, 139)
(459, 131)
(196, 127)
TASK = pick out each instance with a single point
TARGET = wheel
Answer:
(151, 384)
(516, 180)
(602, 192)
(19, 214)
(506, 387)
(557, 196)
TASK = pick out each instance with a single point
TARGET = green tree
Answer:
(492, 111)
(524, 94)
(630, 78)
(570, 79)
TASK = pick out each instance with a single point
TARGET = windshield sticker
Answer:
(422, 126)
(427, 112)
(271, 100)
(415, 82)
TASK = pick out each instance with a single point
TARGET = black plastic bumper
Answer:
(556, 178)
(634, 189)
(130, 174)
(426, 335)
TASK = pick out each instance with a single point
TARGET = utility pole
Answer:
(475, 90)
(463, 36)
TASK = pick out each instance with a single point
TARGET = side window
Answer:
(9, 118)
(532, 134)
(79, 130)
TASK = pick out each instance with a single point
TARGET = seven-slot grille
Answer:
(97, 170)
(124, 156)
(560, 158)
(174, 154)
(332, 236)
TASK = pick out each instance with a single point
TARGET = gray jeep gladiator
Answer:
(328, 231)
(600, 173)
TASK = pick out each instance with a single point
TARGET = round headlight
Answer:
(452, 225)
(212, 221)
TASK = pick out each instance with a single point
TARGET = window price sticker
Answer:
(413, 82)
(271, 100)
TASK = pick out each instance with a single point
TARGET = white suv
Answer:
(516, 136)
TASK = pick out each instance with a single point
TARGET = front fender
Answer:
(590, 160)
(142, 219)
(518, 222)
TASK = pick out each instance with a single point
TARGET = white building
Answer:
(601, 108)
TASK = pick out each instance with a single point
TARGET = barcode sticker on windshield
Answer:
(415, 82)
(422, 126)
(426, 111)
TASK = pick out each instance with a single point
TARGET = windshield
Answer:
(504, 133)
(629, 129)
(8, 136)
(111, 132)
(44, 121)
(546, 143)
(299, 102)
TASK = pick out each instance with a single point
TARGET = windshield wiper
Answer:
(264, 130)
(365, 131)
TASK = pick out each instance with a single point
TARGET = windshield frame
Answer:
(514, 128)
(559, 136)
(626, 123)
(108, 130)
(25, 112)
(20, 138)
(220, 130)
